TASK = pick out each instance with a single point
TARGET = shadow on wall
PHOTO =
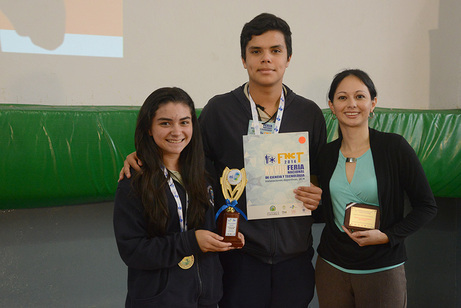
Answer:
(445, 57)
(45, 30)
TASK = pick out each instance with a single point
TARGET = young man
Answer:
(274, 268)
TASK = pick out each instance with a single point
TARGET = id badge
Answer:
(267, 128)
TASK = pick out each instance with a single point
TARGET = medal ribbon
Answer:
(174, 191)
(278, 119)
(233, 205)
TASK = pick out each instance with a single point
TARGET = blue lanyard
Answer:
(278, 119)
(174, 191)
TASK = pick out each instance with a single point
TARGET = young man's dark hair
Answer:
(261, 24)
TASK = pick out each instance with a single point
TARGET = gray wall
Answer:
(445, 60)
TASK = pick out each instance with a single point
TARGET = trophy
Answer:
(361, 217)
(228, 215)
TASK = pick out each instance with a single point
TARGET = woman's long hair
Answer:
(151, 183)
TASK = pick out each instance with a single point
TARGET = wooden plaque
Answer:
(361, 217)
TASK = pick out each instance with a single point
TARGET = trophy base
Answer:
(235, 241)
(228, 227)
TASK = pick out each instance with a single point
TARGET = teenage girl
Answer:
(163, 216)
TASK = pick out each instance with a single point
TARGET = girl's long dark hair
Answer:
(151, 183)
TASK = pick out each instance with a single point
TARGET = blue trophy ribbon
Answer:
(230, 204)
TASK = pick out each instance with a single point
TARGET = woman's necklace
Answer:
(358, 153)
(351, 160)
(356, 148)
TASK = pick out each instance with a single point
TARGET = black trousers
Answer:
(248, 282)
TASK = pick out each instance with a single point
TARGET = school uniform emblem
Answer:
(186, 262)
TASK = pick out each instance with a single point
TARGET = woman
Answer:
(163, 217)
(366, 268)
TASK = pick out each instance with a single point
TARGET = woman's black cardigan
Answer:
(398, 172)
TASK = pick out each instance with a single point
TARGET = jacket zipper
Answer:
(200, 284)
(273, 243)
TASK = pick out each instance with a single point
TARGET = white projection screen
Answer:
(115, 52)
(69, 27)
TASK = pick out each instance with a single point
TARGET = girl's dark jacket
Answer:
(154, 277)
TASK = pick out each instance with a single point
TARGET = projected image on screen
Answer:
(67, 27)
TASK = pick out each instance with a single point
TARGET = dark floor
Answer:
(67, 257)
(60, 257)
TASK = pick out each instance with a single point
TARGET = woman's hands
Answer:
(210, 241)
(368, 237)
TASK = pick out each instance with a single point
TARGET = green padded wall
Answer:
(62, 155)
(59, 155)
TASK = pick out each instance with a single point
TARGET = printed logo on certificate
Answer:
(276, 164)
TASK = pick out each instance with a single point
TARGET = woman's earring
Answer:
(333, 116)
(372, 115)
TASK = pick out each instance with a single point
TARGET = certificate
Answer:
(276, 164)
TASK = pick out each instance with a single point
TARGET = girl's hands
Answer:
(210, 241)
